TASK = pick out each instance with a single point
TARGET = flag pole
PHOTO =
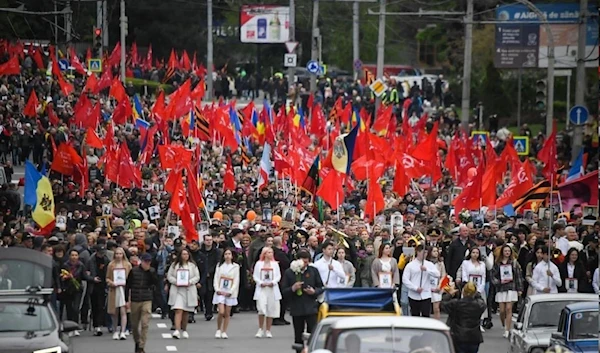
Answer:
(550, 229)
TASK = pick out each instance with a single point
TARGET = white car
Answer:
(539, 319)
(317, 339)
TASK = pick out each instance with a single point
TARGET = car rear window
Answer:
(388, 340)
(584, 325)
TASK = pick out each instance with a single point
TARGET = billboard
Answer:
(264, 24)
(563, 19)
(516, 46)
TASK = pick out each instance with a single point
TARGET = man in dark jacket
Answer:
(97, 266)
(302, 295)
(284, 263)
(200, 260)
(464, 318)
(213, 255)
(457, 251)
(141, 282)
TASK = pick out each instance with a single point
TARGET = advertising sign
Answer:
(563, 19)
(516, 46)
(264, 24)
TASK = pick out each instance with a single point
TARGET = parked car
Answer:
(578, 328)
(28, 322)
(538, 319)
(388, 334)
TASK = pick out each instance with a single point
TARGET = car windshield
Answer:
(546, 314)
(16, 317)
(584, 326)
(319, 341)
(388, 340)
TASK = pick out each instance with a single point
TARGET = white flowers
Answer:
(297, 266)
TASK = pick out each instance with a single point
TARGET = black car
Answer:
(28, 322)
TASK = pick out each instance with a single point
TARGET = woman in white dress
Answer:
(474, 270)
(267, 294)
(227, 284)
(436, 292)
(119, 267)
(507, 277)
(183, 295)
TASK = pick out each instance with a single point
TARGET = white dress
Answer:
(267, 298)
(435, 283)
(221, 299)
(120, 297)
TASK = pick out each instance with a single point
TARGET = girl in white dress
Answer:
(183, 295)
(226, 283)
(436, 292)
(116, 291)
(474, 270)
(348, 268)
(267, 294)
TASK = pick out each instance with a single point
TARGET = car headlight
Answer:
(56, 349)
(538, 350)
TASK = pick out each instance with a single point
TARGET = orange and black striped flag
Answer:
(168, 74)
(202, 126)
(537, 194)
(245, 156)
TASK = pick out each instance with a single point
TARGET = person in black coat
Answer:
(302, 295)
(202, 262)
(464, 319)
(235, 242)
(573, 268)
(457, 250)
(284, 263)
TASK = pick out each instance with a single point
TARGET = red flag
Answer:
(520, 183)
(38, 59)
(185, 61)
(31, 106)
(92, 139)
(63, 159)
(547, 155)
(427, 149)
(173, 156)
(470, 197)
(229, 179)
(317, 121)
(198, 92)
(115, 56)
(173, 62)
(134, 54)
(149, 58)
(91, 84)
(401, 181)
(75, 62)
(331, 190)
(11, 67)
(105, 81)
(375, 201)
(52, 117)
(122, 112)
(117, 90)
(65, 87)
(129, 175)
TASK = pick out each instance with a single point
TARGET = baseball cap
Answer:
(146, 257)
(480, 237)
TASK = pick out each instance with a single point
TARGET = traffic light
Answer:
(97, 50)
(541, 94)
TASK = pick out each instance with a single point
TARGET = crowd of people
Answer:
(273, 249)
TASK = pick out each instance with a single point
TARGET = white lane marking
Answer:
(167, 335)
(161, 325)
(171, 349)
(156, 316)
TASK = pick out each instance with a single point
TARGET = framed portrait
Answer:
(183, 277)
(476, 279)
(173, 230)
(446, 198)
(210, 205)
(267, 215)
(571, 285)
(61, 222)
(103, 222)
(107, 209)
(119, 277)
(506, 273)
(385, 280)
(455, 192)
(289, 214)
(590, 215)
(266, 274)
(154, 212)
(226, 284)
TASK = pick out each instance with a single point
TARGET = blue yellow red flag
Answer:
(38, 195)
(343, 149)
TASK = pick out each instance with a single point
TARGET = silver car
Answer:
(317, 339)
(539, 319)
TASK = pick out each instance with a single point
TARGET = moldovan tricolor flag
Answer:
(265, 167)
(38, 194)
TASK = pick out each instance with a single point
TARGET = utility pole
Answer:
(209, 51)
(123, 20)
(580, 77)
(68, 22)
(355, 37)
(291, 70)
(380, 47)
(99, 23)
(105, 42)
(314, 51)
(466, 84)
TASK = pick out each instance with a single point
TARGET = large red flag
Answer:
(331, 190)
(11, 67)
(115, 56)
(122, 112)
(470, 197)
(547, 155)
(92, 139)
(31, 106)
(520, 183)
(427, 149)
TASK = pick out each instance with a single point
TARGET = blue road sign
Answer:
(521, 145)
(358, 64)
(313, 67)
(578, 115)
(63, 64)
(95, 65)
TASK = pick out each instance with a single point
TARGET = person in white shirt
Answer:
(562, 242)
(331, 271)
(417, 278)
(596, 282)
(546, 277)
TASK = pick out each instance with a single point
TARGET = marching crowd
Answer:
(273, 250)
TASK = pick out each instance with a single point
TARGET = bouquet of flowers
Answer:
(239, 255)
(297, 266)
(465, 216)
(64, 274)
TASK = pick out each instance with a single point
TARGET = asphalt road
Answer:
(241, 333)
